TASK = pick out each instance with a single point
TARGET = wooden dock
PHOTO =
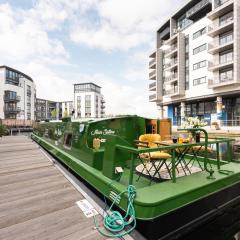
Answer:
(36, 200)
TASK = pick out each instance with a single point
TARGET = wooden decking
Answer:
(36, 200)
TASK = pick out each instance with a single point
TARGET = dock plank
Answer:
(36, 200)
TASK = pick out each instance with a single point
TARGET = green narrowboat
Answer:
(177, 185)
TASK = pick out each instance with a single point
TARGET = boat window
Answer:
(68, 140)
(81, 128)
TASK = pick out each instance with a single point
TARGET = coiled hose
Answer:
(115, 222)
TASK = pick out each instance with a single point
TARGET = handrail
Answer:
(210, 171)
(172, 148)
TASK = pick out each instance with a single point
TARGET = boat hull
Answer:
(185, 219)
(177, 221)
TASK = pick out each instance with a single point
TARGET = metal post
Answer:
(131, 169)
(229, 152)
(173, 166)
(218, 157)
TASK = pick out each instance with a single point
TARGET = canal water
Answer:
(225, 226)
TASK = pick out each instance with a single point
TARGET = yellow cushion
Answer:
(160, 155)
(201, 149)
(155, 155)
(150, 138)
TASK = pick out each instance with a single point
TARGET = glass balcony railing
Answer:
(8, 98)
(152, 97)
(171, 91)
(12, 109)
(217, 81)
(219, 3)
(152, 62)
(197, 8)
(152, 74)
(213, 27)
(152, 85)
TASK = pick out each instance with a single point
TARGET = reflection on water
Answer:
(225, 226)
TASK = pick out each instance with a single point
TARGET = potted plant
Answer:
(194, 122)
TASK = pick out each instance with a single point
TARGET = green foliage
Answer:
(54, 113)
(3, 130)
(65, 114)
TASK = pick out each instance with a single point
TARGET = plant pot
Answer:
(197, 137)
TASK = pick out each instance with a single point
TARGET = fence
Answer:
(17, 123)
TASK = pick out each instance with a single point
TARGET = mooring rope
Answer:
(115, 222)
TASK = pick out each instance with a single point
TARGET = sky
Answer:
(62, 42)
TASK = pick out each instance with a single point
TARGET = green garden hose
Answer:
(115, 222)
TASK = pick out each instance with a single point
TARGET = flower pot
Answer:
(197, 137)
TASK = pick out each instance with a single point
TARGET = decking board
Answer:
(36, 200)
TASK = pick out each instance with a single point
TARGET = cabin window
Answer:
(68, 140)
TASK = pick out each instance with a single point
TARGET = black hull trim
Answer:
(181, 221)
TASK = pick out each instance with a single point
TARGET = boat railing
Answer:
(172, 149)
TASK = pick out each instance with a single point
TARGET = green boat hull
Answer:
(97, 167)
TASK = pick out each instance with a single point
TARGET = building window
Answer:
(199, 81)
(226, 38)
(199, 65)
(187, 62)
(183, 22)
(225, 18)
(87, 105)
(199, 33)
(88, 87)
(12, 77)
(226, 75)
(200, 49)
(226, 56)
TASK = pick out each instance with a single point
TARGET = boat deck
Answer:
(36, 200)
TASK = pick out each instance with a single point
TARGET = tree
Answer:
(54, 114)
(65, 114)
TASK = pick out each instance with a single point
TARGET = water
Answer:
(225, 226)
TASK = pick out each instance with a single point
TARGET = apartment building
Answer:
(67, 108)
(88, 101)
(52, 110)
(17, 95)
(195, 68)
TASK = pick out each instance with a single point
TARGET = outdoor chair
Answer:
(152, 161)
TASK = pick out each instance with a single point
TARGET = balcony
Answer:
(171, 65)
(152, 75)
(103, 106)
(171, 92)
(171, 78)
(103, 101)
(29, 92)
(153, 98)
(152, 64)
(198, 9)
(152, 86)
(215, 83)
(221, 7)
(172, 51)
(214, 30)
(153, 55)
(12, 110)
(8, 98)
(212, 66)
(215, 47)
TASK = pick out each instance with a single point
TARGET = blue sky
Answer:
(61, 42)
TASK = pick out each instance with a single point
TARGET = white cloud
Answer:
(30, 44)
(122, 24)
(23, 38)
